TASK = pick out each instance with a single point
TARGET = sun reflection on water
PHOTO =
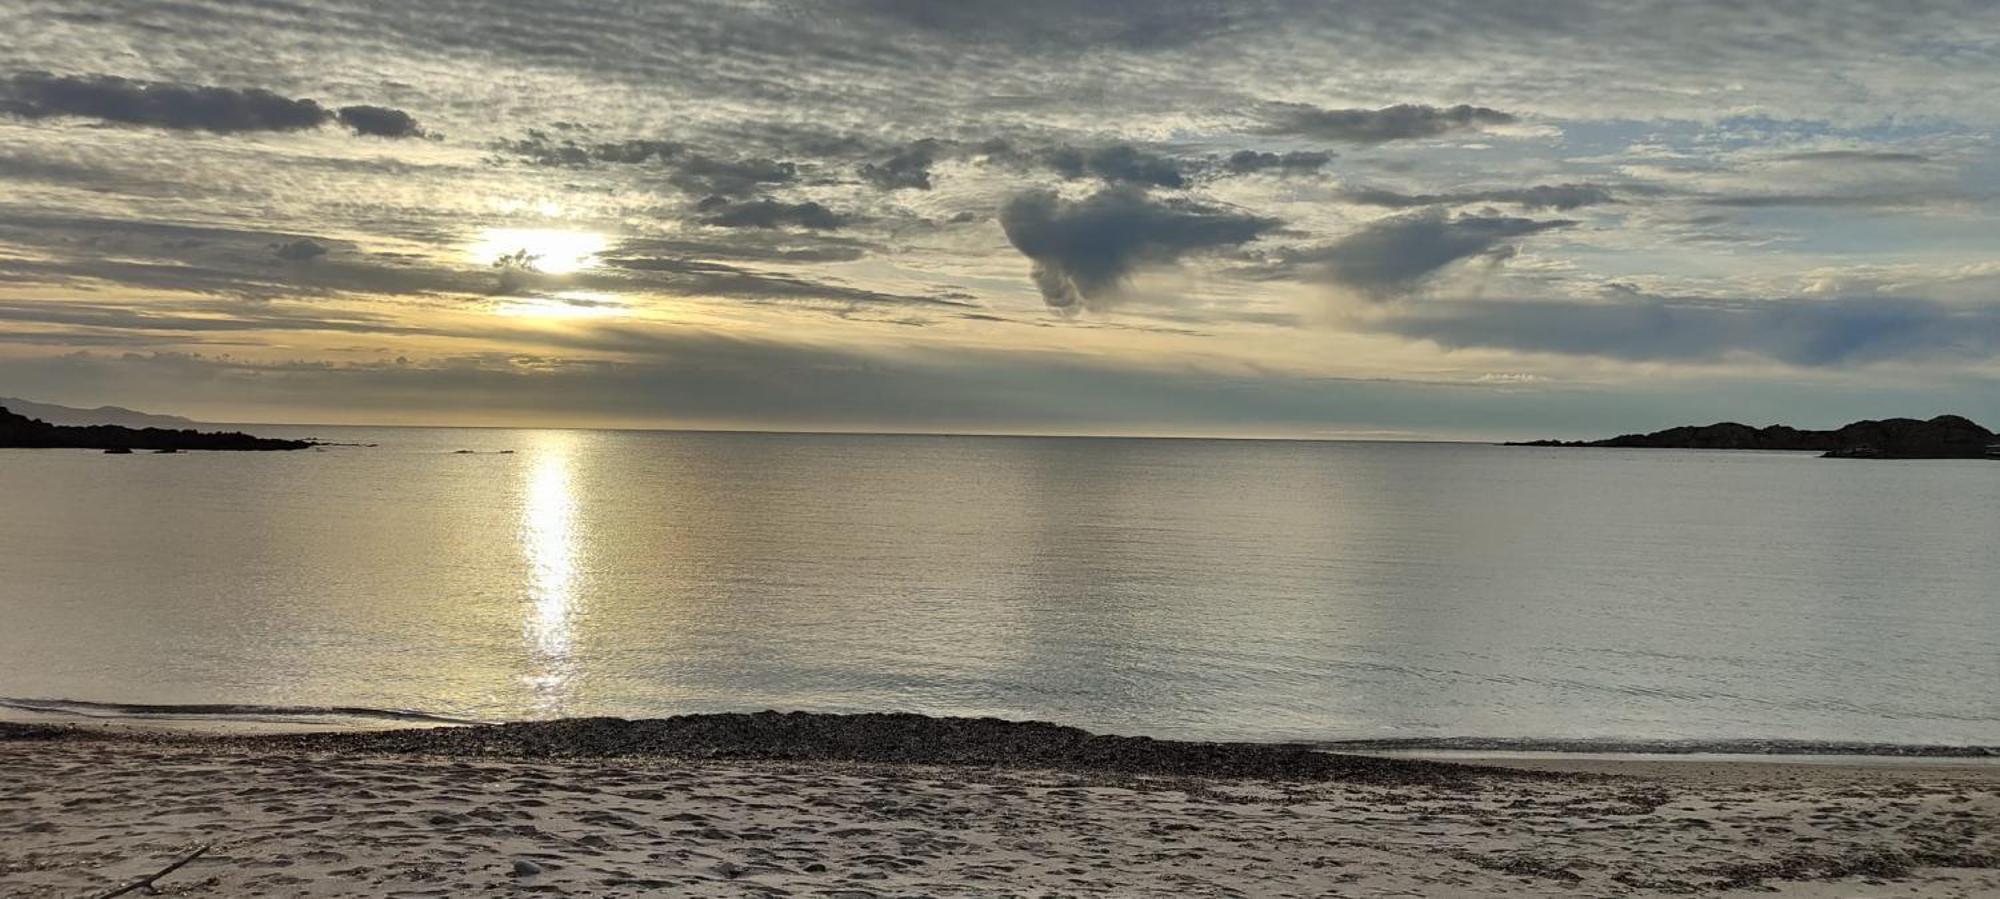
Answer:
(550, 546)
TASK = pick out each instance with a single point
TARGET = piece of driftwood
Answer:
(147, 882)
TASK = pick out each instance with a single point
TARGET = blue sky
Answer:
(1448, 219)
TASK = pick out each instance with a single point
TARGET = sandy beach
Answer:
(89, 810)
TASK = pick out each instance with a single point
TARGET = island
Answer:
(1943, 437)
(20, 431)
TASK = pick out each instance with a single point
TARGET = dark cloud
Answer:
(379, 121)
(1823, 201)
(542, 148)
(186, 107)
(1083, 250)
(767, 246)
(1117, 164)
(909, 168)
(299, 250)
(1888, 156)
(1404, 121)
(1113, 163)
(696, 277)
(695, 172)
(1641, 327)
(1394, 255)
(768, 213)
(196, 317)
(713, 176)
(1301, 162)
(1542, 196)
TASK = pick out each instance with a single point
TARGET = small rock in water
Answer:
(523, 867)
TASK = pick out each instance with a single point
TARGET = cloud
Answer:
(299, 250)
(1395, 255)
(1562, 197)
(1886, 156)
(541, 148)
(714, 176)
(1807, 332)
(696, 277)
(1404, 121)
(186, 107)
(1823, 201)
(379, 121)
(1300, 162)
(1118, 163)
(768, 213)
(695, 172)
(909, 168)
(1083, 250)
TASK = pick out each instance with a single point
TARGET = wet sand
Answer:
(617, 809)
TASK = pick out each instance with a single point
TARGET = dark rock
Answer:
(1943, 437)
(20, 431)
(884, 739)
(525, 868)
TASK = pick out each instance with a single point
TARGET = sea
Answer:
(1416, 593)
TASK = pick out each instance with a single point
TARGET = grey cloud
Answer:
(1118, 163)
(185, 107)
(194, 317)
(766, 246)
(692, 171)
(1083, 250)
(1542, 196)
(1640, 327)
(704, 278)
(1404, 121)
(1395, 255)
(299, 250)
(1821, 201)
(768, 213)
(379, 121)
(542, 148)
(1245, 162)
(909, 168)
(711, 175)
(1886, 156)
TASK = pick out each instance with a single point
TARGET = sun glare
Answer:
(544, 250)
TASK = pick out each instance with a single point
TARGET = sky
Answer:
(1461, 219)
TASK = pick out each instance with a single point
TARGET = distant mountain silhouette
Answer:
(102, 415)
(20, 431)
(1943, 437)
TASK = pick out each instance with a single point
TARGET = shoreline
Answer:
(249, 720)
(877, 806)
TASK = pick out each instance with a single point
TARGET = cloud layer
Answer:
(187, 107)
(1083, 250)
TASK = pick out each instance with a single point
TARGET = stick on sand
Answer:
(148, 881)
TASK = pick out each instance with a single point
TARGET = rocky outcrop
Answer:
(20, 431)
(1943, 437)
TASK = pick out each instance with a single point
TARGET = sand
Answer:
(85, 812)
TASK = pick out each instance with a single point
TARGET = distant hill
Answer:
(20, 431)
(1943, 437)
(102, 415)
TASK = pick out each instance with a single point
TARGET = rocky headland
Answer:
(21, 432)
(1943, 437)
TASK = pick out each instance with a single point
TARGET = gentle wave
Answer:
(225, 711)
(1772, 747)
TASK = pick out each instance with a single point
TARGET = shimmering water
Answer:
(1260, 590)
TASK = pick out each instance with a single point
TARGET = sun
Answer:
(544, 250)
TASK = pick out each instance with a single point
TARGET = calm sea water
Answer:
(1218, 589)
